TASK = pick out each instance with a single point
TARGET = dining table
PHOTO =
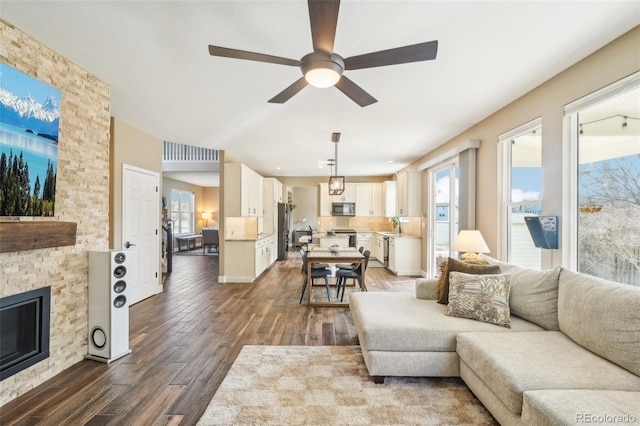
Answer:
(325, 255)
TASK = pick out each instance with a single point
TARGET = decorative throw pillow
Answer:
(454, 265)
(480, 297)
(443, 279)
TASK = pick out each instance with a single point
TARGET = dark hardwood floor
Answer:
(184, 342)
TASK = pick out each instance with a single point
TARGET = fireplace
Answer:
(24, 330)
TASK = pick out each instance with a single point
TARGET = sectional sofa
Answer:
(570, 353)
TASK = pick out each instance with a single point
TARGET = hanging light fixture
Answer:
(336, 183)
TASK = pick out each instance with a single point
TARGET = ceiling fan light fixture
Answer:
(320, 71)
(322, 77)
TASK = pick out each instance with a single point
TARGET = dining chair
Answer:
(316, 272)
(211, 238)
(342, 275)
(350, 266)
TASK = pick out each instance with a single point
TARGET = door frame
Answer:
(156, 175)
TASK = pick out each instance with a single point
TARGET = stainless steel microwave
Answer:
(343, 209)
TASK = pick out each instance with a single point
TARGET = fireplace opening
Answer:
(24, 330)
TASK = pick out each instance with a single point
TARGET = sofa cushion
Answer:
(479, 297)
(512, 363)
(534, 294)
(602, 316)
(564, 407)
(400, 322)
(454, 265)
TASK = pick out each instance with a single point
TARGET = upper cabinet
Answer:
(348, 196)
(389, 198)
(408, 194)
(243, 191)
(369, 199)
(272, 196)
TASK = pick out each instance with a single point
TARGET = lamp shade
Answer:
(470, 241)
(206, 215)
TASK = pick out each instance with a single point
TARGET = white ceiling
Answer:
(154, 55)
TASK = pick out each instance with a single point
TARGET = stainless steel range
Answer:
(351, 233)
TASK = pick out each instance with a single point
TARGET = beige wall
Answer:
(607, 65)
(82, 196)
(133, 147)
(306, 200)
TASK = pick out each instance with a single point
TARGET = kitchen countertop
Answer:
(396, 234)
(252, 237)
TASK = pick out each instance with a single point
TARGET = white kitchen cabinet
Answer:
(272, 196)
(369, 199)
(389, 198)
(243, 191)
(378, 247)
(248, 259)
(392, 255)
(348, 196)
(325, 200)
(408, 194)
(404, 255)
(363, 239)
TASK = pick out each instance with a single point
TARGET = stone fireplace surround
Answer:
(82, 197)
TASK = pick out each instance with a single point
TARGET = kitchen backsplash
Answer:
(365, 223)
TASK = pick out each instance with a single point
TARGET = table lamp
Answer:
(472, 244)
(206, 216)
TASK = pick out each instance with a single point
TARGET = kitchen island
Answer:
(249, 256)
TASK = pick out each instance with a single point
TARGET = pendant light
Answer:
(336, 183)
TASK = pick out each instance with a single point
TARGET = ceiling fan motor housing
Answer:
(330, 68)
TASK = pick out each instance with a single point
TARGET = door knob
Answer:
(128, 244)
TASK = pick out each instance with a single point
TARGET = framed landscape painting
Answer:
(29, 124)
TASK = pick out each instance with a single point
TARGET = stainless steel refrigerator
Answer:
(283, 230)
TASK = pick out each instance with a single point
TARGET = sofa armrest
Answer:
(427, 288)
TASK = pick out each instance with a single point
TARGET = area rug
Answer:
(330, 385)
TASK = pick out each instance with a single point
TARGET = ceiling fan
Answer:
(323, 67)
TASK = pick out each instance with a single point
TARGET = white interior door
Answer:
(140, 230)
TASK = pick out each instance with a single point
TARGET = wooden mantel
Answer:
(30, 235)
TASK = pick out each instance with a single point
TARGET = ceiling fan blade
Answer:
(355, 92)
(400, 55)
(323, 15)
(289, 92)
(251, 56)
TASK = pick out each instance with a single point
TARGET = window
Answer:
(521, 187)
(451, 200)
(182, 211)
(608, 188)
(444, 187)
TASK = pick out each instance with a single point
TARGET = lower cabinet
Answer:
(247, 259)
(364, 240)
(404, 255)
(378, 247)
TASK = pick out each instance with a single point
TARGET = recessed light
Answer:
(389, 161)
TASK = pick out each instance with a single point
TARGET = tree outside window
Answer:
(609, 189)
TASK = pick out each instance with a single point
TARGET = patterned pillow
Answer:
(455, 265)
(480, 297)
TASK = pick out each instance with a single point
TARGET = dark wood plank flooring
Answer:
(184, 342)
